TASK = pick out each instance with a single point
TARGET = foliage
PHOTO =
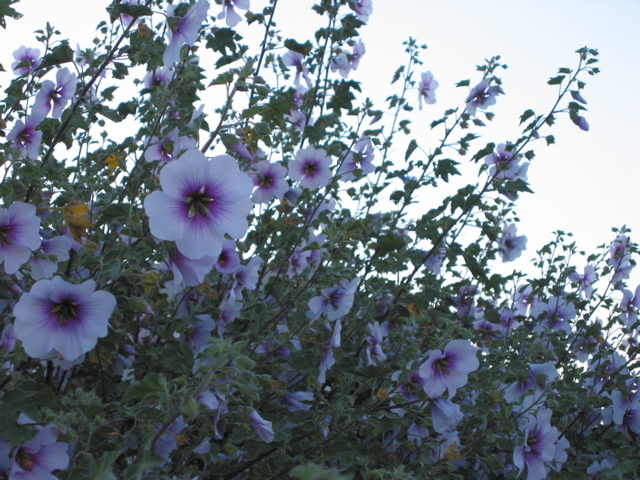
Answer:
(294, 298)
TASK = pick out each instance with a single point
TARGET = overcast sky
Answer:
(585, 184)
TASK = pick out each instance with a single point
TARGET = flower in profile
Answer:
(360, 157)
(229, 14)
(630, 305)
(427, 89)
(542, 447)
(449, 370)
(619, 258)
(188, 272)
(59, 94)
(269, 178)
(201, 200)
(43, 264)
(482, 96)
(183, 30)
(295, 402)
(311, 167)
(261, 427)
(27, 60)
(511, 245)
(37, 458)
(60, 316)
(296, 59)
(19, 235)
(363, 9)
(25, 136)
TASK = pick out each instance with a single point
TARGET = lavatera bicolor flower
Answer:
(201, 200)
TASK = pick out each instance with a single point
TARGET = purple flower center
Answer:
(442, 366)
(266, 181)
(5, 237)
(24, 460)
(199, 203)
(67, 311)
(310, 168)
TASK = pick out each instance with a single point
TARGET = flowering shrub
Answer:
(227, 270)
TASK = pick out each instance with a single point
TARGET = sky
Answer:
(586, 183)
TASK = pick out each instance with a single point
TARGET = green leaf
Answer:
(556, 80)
(101, 469)
(60, 54)
(410, 149)
(526, 115)
(153, 385)
(113, 212)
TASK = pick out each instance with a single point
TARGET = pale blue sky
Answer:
(586, 183)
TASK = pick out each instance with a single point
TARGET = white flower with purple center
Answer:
(25, 136)
(505, 164)
(449, 370)
(37, 458)
(335, 302)
(201, 200)
(19, 235)
(542, 447)
(59, 94)
(511, 244)
(27, 60)
(427, 89)
(482, 96)
(311, 167)
(269, 178)
(60, 316)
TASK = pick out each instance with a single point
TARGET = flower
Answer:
(294, 402)
(59, 93)
(482, 96)
(619, 259)
(335, 302)
(585, 280)
(505, 164)
(511, 245)
(27, 60)
(201, 200)
(261, 427)
(37, 458)
(270, 180)
(449, 370)
(311, 167)
(363, 9)
(183, 30)
(542, 447)
(427, 89)
(158, 77)
(359, 157)
(555, 314)
(228, 13)
(42, 265)
(168, 148)
(25, 136)
(19, 235)
(60, 316)
(296, 59)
